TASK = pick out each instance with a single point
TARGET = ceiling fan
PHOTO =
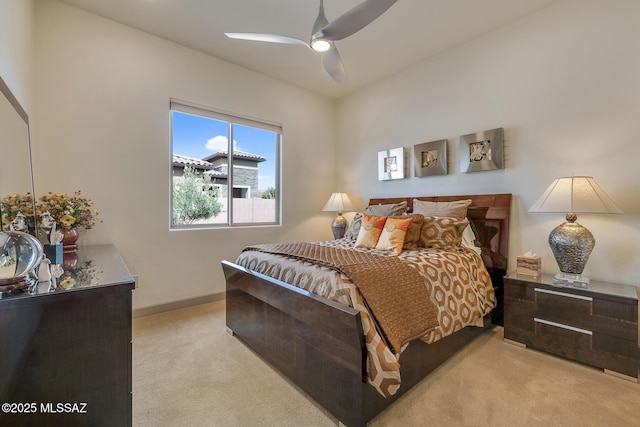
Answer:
(325, 33)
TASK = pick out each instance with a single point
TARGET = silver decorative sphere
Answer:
(20, 254)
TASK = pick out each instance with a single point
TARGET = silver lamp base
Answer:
(571, 245)
(339, 226)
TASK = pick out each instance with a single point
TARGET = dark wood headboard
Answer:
(490, 213)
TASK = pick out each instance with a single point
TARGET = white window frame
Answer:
(231, 119)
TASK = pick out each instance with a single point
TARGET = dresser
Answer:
(66, 352)
(597, 325)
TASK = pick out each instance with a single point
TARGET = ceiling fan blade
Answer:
(334, 66)
(269, 38)
(354, 20)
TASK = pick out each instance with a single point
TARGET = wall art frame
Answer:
(391, 164)
(482, 151)
(430, 158)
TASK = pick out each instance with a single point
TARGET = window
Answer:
(209, 188)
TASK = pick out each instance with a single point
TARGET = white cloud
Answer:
(219, 143)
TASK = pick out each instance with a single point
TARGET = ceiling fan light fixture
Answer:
(320, 45)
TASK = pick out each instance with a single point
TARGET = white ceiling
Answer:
(410, 31)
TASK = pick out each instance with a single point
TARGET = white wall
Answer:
(564, 83)
(102, 126)
(16, 48)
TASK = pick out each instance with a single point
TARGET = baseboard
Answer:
(175, 305)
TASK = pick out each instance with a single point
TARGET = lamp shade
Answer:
(577, 194)
(339, 202)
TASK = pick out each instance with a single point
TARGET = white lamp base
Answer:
(573, 280)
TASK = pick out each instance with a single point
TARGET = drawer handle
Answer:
(562, 294)
(560, 325)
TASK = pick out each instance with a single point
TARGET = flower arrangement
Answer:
(13, 204)
(69, 211)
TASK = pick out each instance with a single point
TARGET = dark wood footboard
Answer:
(319, 344)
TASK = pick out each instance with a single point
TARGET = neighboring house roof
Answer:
(215, 174)
(180, 160)
(236, 155)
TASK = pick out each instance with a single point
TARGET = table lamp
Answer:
(570, 242)
(338, 202)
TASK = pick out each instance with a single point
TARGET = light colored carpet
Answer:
(187, 371)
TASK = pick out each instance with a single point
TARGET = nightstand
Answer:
(597, 325)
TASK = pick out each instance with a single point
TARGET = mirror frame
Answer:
(13, 101)
(4, 89)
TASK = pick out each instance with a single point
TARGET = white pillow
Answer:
(468, 240)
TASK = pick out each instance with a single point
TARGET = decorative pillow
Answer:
(354, 227)
(442, 232)
(456, 209)
(412, 238)
(393, 234)
(370, 231)
(392, 209)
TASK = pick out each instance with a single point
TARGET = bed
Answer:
(324, 346)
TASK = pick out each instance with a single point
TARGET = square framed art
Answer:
(391, 164)
(430, 158)
(482, 151)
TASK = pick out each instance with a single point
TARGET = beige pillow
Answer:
(456, 209)
(442, 232)
(391, 209)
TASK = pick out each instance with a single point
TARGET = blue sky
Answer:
(200, 137)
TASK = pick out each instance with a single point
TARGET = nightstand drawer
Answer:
(592, 326)
(583, 345)
(584, 339)
(561, 339)
(569, 306)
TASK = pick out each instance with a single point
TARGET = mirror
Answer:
(16, 176)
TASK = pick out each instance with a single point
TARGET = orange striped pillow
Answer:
(393, 233)
(370, 231)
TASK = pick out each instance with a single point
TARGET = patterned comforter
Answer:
(457, 283)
